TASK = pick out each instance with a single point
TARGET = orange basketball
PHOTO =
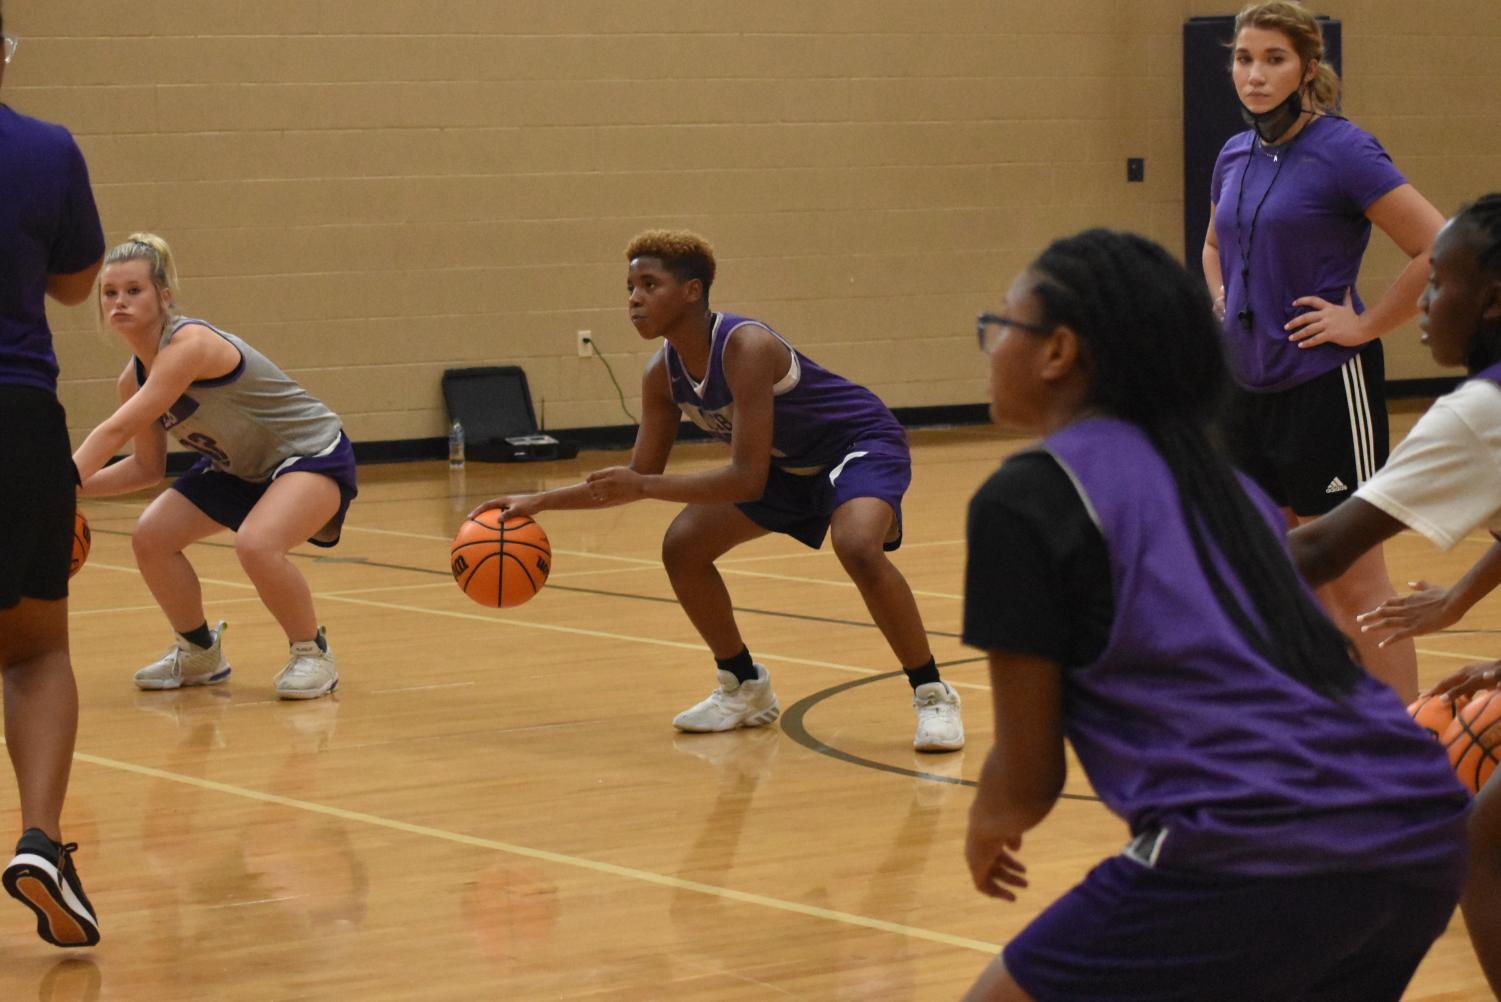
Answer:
(500, 564)
(82, 540)
(1474, 739)
(1434, 715)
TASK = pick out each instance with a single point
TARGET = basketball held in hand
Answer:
(498, 563)
(1474, 739)
(82, 541)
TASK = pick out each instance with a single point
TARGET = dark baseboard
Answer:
(1408, 389)
(621, 436)
(942, 415)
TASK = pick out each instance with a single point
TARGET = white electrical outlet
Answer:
(586, 344)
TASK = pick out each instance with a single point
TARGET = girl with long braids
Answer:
(1293, 200)
(1444, 481)
(1293, 834)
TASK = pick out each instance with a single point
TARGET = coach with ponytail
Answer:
(1293, 200)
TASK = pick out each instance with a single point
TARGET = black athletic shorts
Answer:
(37, 496)
(1310, 446)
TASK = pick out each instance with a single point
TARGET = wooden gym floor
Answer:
(494, 805)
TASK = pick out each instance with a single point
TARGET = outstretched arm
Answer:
(1023, 772)
(754, 359)
(1325, 548)
(147, 462)
(1431, 607)
(195, 352)
(654, 439)
(1466, 682)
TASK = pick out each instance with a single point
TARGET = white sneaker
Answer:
(734, 704)
(939, 728)
(186, 664)
(310, 672)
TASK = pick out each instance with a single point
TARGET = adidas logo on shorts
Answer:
(1335, 486)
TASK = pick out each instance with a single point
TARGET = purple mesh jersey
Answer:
(1184, 729)
(1310, 233)
(816, 414)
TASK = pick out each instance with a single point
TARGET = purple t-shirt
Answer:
(1220, 761)
(816, 414)
(1310, 235)
(48, 226)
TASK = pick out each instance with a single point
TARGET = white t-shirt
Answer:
(1444, 480)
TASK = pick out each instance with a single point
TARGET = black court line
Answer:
(575, 589)
(794, 726)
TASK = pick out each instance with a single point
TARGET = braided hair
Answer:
(1481, 219)
(1153, 348)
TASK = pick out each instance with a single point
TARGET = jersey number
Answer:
(201, 443)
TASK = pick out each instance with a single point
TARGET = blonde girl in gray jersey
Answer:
(276, 468)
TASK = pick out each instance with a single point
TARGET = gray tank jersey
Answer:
(251, 421)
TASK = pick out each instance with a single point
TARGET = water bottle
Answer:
(456, 446)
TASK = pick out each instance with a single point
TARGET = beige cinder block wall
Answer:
(373, 192)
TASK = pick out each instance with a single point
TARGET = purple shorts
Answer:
(227, 499)
(1130, 932)
(801, 506)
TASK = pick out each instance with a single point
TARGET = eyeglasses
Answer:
(11, 44)
(990, 326)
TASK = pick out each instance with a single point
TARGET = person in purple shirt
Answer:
(1293, 834)
(1444, 481)
(811, 454)
(51, 244)
(1292, 203)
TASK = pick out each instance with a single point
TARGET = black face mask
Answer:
(1271, 124)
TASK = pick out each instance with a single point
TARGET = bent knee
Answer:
(254, 548)
(682, 550)
(861, 556)
(152, 537)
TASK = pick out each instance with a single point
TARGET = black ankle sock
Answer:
(322, 642)
(740, 665)
(923, 674)
(201, 636)
(36, 841)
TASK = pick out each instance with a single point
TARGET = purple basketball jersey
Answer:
(1223, 761)
(816, 414)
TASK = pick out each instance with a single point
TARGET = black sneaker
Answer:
(42, 878)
